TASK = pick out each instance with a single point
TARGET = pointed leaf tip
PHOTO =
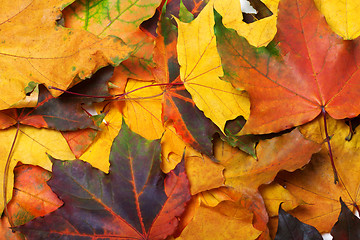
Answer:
(290, 228)
(136, 200)
(314, 81)
(348, 225)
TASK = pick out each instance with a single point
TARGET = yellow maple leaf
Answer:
(142, 109)
(201, 71)
(342, 17)
(99, 151)
(41, 51)
(258, 33)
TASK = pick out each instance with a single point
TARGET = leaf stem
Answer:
(86, 111)
(351, 132)
(117, 95)
(336, 178)
(78, 94)
(153, 85)
(134, 99)
(6, 175)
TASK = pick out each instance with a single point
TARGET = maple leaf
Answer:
(138, 107)
(341, 17)
(97, 154)
(110, 17)
(244, 174)
(201, 68)
(117, 18)
(141, 109)
(177, 105)
(153, 200)
(258, 33)
(44, 52)
(293, 80)
(312, 184)
(142, 112)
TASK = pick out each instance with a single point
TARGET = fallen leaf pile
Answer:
(179, 119)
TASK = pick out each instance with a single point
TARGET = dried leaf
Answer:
(31, 147)
(341, 17)
(110, 17)
(258, 33)
(190, 123)
(43, 52)
(201, 68)
(234, 221)
(290, 228)
(245, 174)
(203, 173)
(274, 194)
(307, 69)
(315, 183)
(99, 151)
(348, 225)
(152, 199)
(32, 196)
